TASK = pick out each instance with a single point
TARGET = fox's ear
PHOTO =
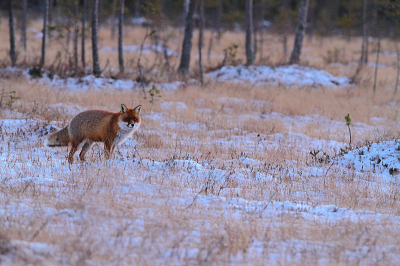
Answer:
(138, 109)
(123, 108)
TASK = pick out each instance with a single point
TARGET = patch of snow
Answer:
(147, 49)
(92, 82)
(290, 76)
(380, 158)
(141, 21)
(179, 106)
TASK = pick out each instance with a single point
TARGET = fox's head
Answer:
(130, 117)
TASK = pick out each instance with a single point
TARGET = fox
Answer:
(96, 126)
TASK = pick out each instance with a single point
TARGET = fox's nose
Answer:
(130, 125)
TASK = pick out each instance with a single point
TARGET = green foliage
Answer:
(230, 55)
(10, 95)
(323, 26)
(348, 119)
(154, 93)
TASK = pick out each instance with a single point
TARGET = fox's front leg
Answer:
(108, 149)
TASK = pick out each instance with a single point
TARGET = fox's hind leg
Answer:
(86, 147)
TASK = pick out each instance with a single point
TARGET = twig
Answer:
(141, 160)
(39, 230)
(194, 199)
(326, 173)
(269, 201)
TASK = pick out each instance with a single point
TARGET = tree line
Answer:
(377, 18)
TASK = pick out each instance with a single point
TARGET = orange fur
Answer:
(97, 126)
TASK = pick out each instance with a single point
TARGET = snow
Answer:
(92, 82)
(227, 186)
(292, 76)
(147, 49)
(381, 158)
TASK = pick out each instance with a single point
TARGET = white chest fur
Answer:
(124, 133)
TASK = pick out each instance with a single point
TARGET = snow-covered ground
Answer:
(213, 187)
(290, 76)
(242, 191)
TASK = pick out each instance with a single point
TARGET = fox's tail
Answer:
(59, 138)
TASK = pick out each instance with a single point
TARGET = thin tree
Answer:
(114, 6)
(262, 28)
(249, 33)
(286, 27)
(300, 31)
(13, 55)
(201, 25)
(45, 18)
(376, 63)
(50, 14)
(398, 69)
(95, 52)
(83, 35)
(23, 27)
(364, 45)
(120, 32)
(137, 8)
(76, 35)
(187, 39)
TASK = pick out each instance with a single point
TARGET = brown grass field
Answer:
(210, 178)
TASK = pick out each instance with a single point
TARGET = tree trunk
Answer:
(13, 55)
(201, 25)
(376, 63)
(95, 52)
(23, 28)
(210, 45)
(114, 5)
(186, 4)
(58, 15)
(300, 30)
(137, 8)
(50, 12)
(45, 17)
(76, 35)
(398, 69)
(364, 46)
(120, 32)
(249, 33)
(187, 40)
(286, 29)
(261, 30)
(83, 36)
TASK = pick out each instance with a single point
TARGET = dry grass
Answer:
(147, 208)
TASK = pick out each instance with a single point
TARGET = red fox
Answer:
(97, 126)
